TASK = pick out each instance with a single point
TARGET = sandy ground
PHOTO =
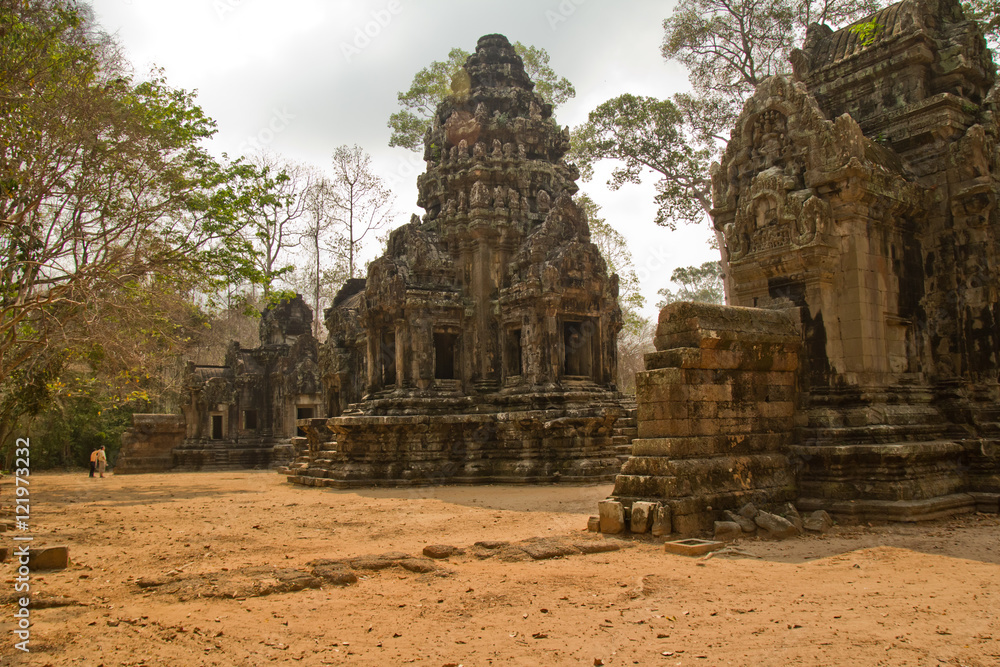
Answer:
(200, 569)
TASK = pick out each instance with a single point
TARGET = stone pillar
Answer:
(715, 413)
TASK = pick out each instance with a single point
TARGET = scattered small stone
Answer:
(749, 511)
(819, 521)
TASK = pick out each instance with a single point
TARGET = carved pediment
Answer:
(774, 214)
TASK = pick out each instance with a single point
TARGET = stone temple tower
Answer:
(482, 345)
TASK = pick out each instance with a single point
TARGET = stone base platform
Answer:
(520, 447)
(194, 456)
(852, 511)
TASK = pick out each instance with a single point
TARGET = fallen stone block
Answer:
(691, 546)
(746, 525)
(49, 558)
(546, 550)
(440, 550)
(491, 544)
(420, 565)
(662, 521)
(642, 516)
(612, 516)
(819, 522)
(4, 554)
(777, 527)
(334, 575)
(594, 524)
(727, 531)
(596, 547)
(749, 511)
(792, 514)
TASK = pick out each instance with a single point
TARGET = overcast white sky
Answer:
(276, 74)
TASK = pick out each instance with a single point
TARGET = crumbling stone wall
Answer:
(237, 413)
(716, 406)
(147, 446)
(862, 192)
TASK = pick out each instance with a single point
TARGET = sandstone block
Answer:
(746, 525)
(749, 511)
(792, 514)
(727, 531)
(642, 516)
(612, 516)
(661, 520)
(776, 526)
(594, 524)
(440, 550)
(49, 558)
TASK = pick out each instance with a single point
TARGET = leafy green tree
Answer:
(694, 283)
(273, 197)
(433, 83)
(645, 134)
(987, 12)
(108, 202)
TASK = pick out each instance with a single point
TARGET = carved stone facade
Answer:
(239, 412)
(482, 346)
(862, 192)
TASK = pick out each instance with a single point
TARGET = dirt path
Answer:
(208, 547)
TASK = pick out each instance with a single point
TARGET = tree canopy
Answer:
(432, 84)
(111, 210)
(694, 283)
(728, 48)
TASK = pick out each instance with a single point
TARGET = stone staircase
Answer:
(626, 429)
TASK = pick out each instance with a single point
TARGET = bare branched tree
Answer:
(361, 202)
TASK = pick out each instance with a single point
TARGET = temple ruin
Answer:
(857, 371)
(482, 345)
(243, 413)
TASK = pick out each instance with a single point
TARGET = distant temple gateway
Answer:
(858, 200)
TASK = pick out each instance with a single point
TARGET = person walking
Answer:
(93, 462)
(102, 460)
